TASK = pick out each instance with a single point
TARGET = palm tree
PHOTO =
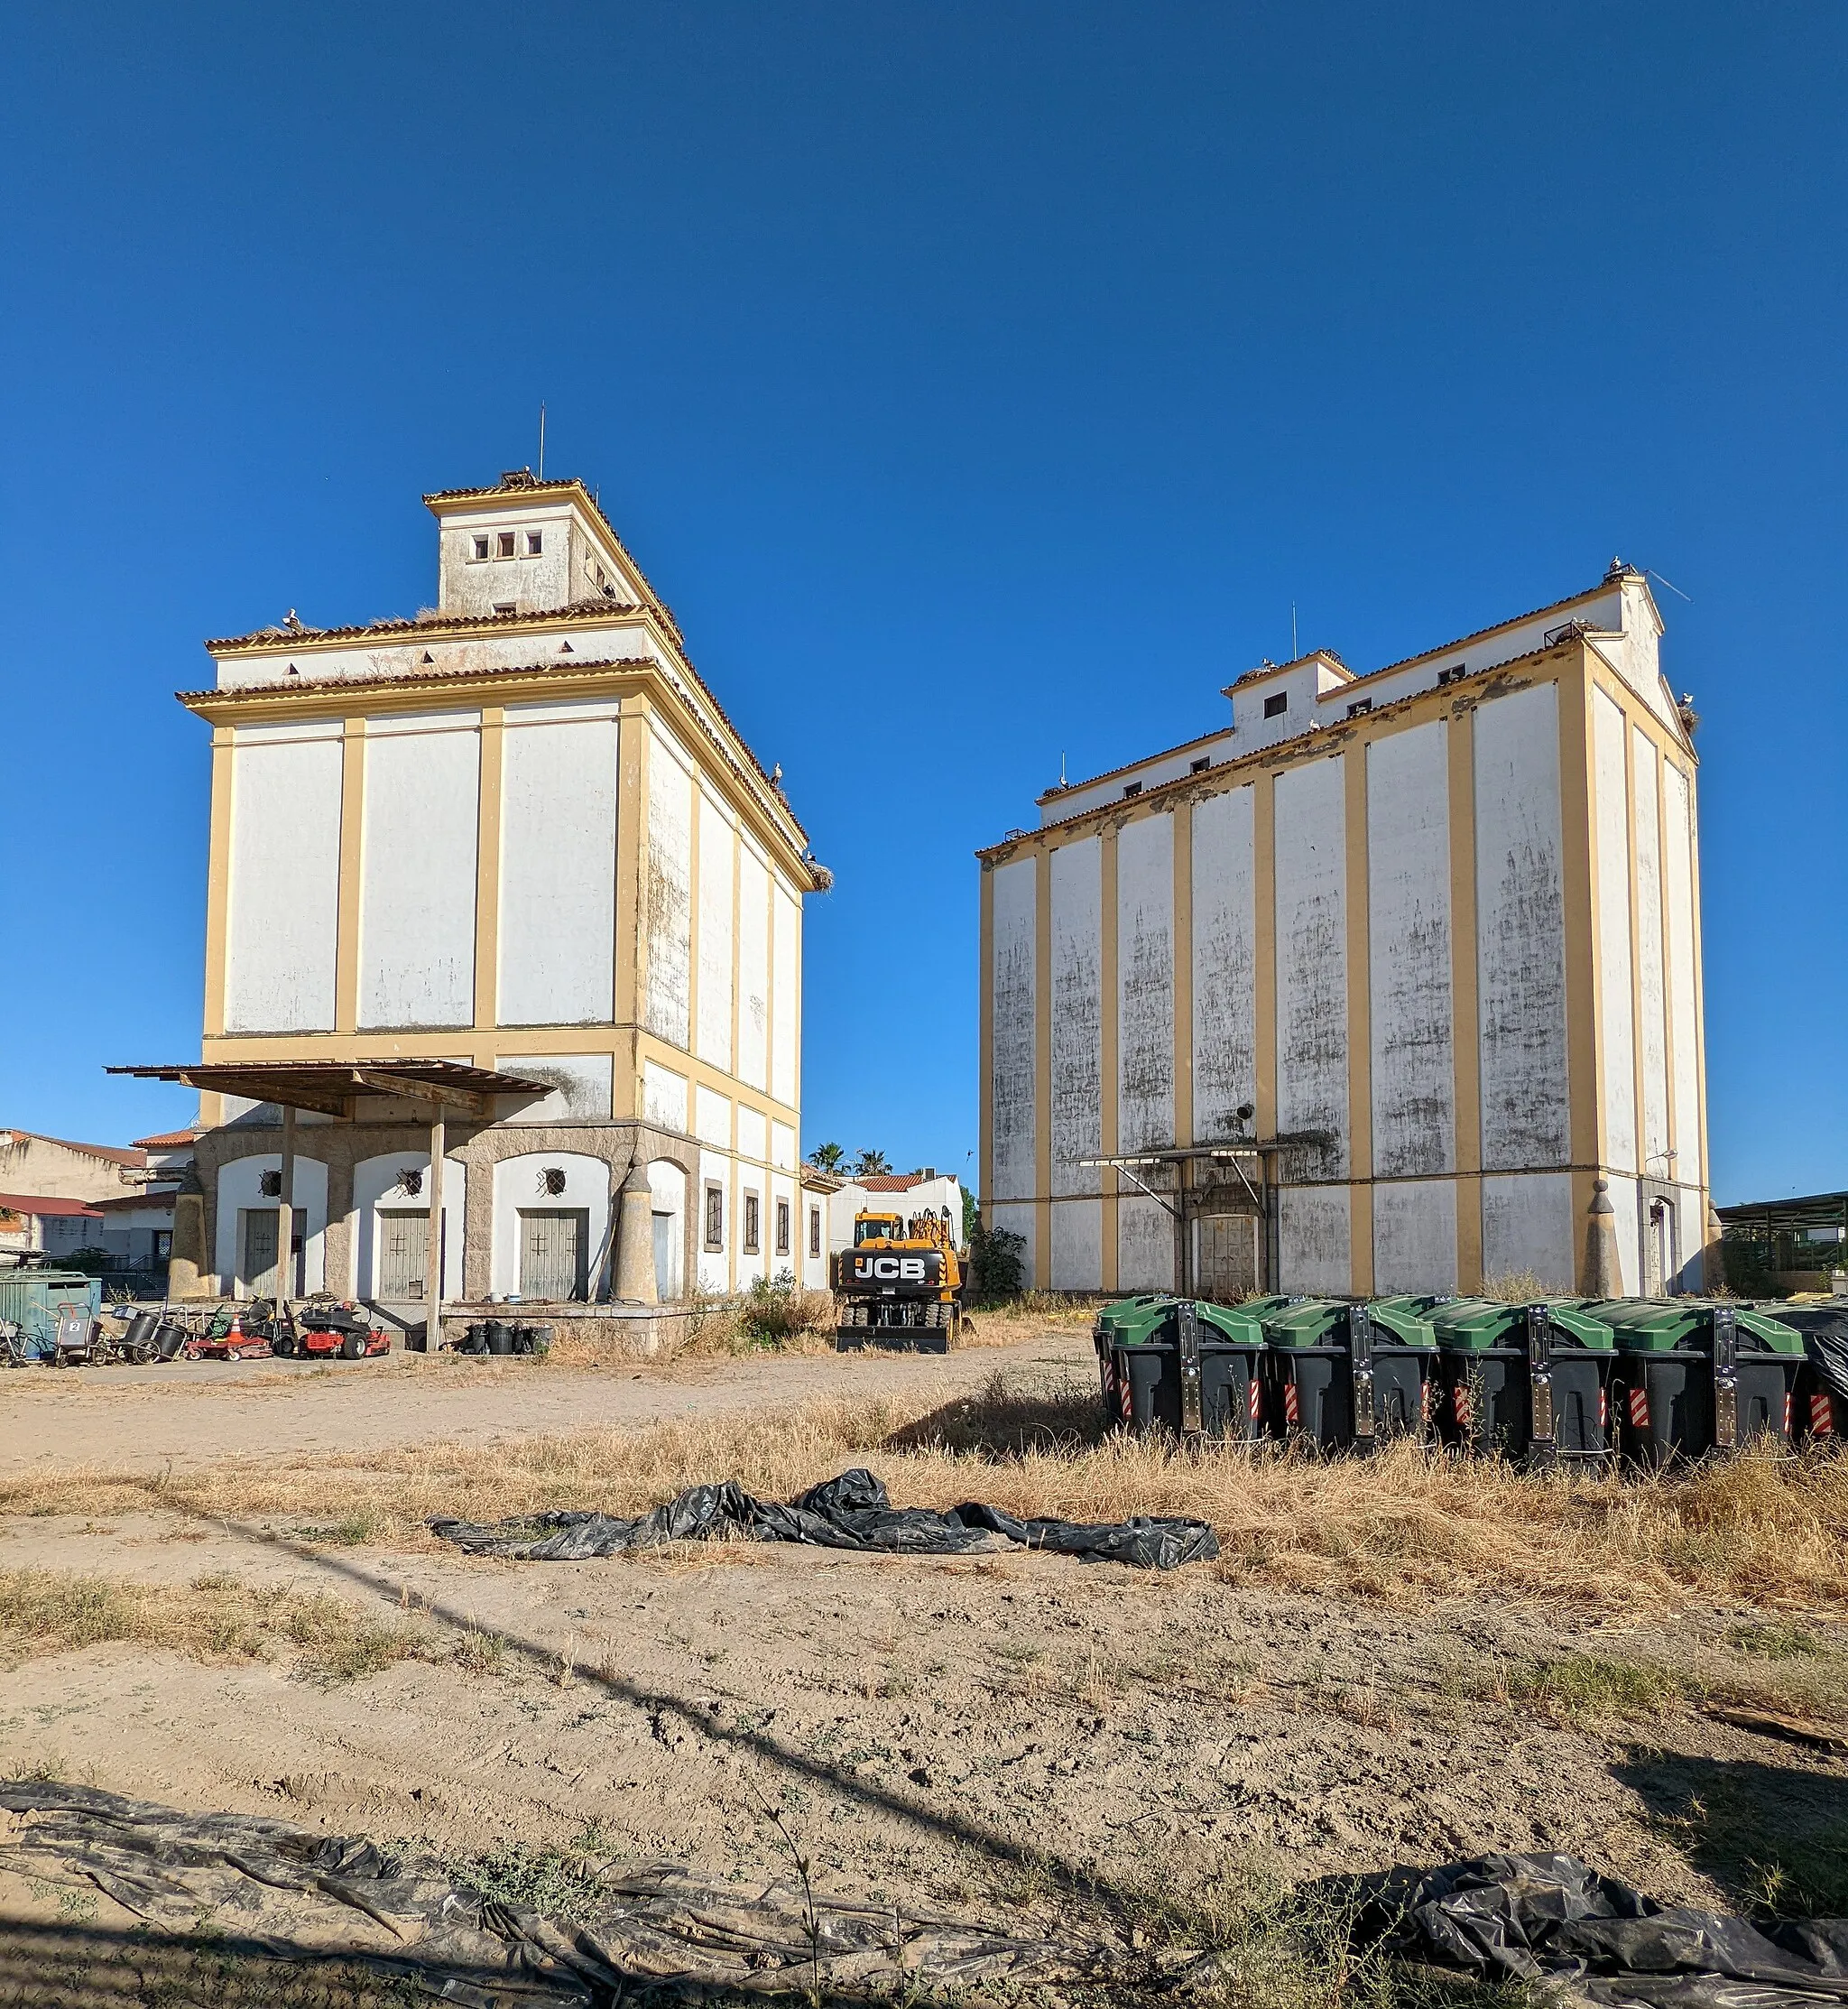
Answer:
(826, 1157)
(870, 1162)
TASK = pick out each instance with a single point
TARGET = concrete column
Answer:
(286, 1214)
(635, 1280)
(433, 1269)
(1602, 1278)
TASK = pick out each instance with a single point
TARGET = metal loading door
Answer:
(552, 1252)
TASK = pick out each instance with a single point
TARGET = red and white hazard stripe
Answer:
(1290, 1404)
(1639, 1408)
(1789, 1401)
(1459, 1403)
(1822, 1416)
(1124, 1402)
(1254, 1399)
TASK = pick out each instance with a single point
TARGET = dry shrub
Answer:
(1753, 1530)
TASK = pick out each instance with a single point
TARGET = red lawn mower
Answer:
(324, 1329)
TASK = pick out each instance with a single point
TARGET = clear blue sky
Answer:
(979, 384)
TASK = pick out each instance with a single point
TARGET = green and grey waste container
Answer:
(1336, 1381)
(1405, 1364)
(1693, 1376)
(1526, 1380)
(1188, 1368)
(1121, 1316)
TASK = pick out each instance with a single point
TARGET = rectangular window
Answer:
(507, 544)
(535, 542)
(751, 1236)
(1360, 707)
(1200, 766)
(782, 1227)
(506, 606)
(1133, 788)
(716, 1219)
(481, 547)
(1275, 707)
(815, 1231)
(1456, 670)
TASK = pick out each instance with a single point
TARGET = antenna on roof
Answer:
(1061, 767)
(1292, 632)
(1669, 584)
(541, 438)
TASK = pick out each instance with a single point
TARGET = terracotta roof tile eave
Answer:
(281, 640)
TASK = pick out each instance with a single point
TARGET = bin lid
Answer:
(1475, 1324)
(1404, 1320)
(1573, 1320)
(1136, 1321)
(1663, 1325)
(1302, 1321)
(1234, 1322)
(1153, 1322)
(1773, 1335)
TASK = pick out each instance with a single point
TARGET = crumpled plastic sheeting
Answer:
(269, 1887)
(1825, 1329)
(1551, 1919)
(851, 1512)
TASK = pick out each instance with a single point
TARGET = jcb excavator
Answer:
(900, 1284)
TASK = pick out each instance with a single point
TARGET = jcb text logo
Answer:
(889, 1268)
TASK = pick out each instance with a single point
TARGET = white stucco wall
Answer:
(1077, 1245)
(1225, 952)
(668, 891)
(1078, 1025)
(282, 921)
(240, 1186)
(663, 1096)
(1312, 959)
(1413, 1061)
(1624, 1203)
(1616, 1030)
(1415, 1236)
(558, 880)
(718, 845)
(1145, 986)
(418, 875)
(583, 1084)
(1528, 1226)
(1144, 1246)
(375, 1185)
(786, 999)
(712, 1117)
(519, 1182)
(1012, 1090)
(714, 1269)
(753, 967)
(1315, 1240)
(1023, 1221)
(1521, 932)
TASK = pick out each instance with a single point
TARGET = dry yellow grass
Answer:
(215, 1617)
(1755, 1530)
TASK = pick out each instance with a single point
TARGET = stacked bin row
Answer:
(1557, 1381)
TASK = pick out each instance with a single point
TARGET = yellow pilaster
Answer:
(1109, 1184)
(218, 881)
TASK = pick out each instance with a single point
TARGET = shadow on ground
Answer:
(1005, 1421)
(1773, 1838)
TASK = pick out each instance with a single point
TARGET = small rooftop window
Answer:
(1456, 670)
(1133, 788)
(1359, 706)
(506, 606)
(535, 542)
(507, 544)
(1200, 766)
(481, 547)
(1275, 707)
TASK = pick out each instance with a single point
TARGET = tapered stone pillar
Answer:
(1602, 1278)
(186, 1265)
(635, 1281)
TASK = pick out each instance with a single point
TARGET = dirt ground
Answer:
(995, 1730)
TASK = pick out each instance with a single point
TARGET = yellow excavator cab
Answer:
(900, 1282)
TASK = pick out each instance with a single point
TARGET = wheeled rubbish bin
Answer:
(1338, 1381)
(1524, 1381)
(1693, 1376)
(1188, 1368)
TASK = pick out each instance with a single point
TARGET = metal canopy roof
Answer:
(1786, 1217)
(332, 1088)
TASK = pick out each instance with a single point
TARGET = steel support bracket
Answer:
(1186, 1346)
(1360, 1361)
(1725, 1379)
(1543, 1447)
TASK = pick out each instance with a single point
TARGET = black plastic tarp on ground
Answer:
(851, 1512)
(1549, 1918)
